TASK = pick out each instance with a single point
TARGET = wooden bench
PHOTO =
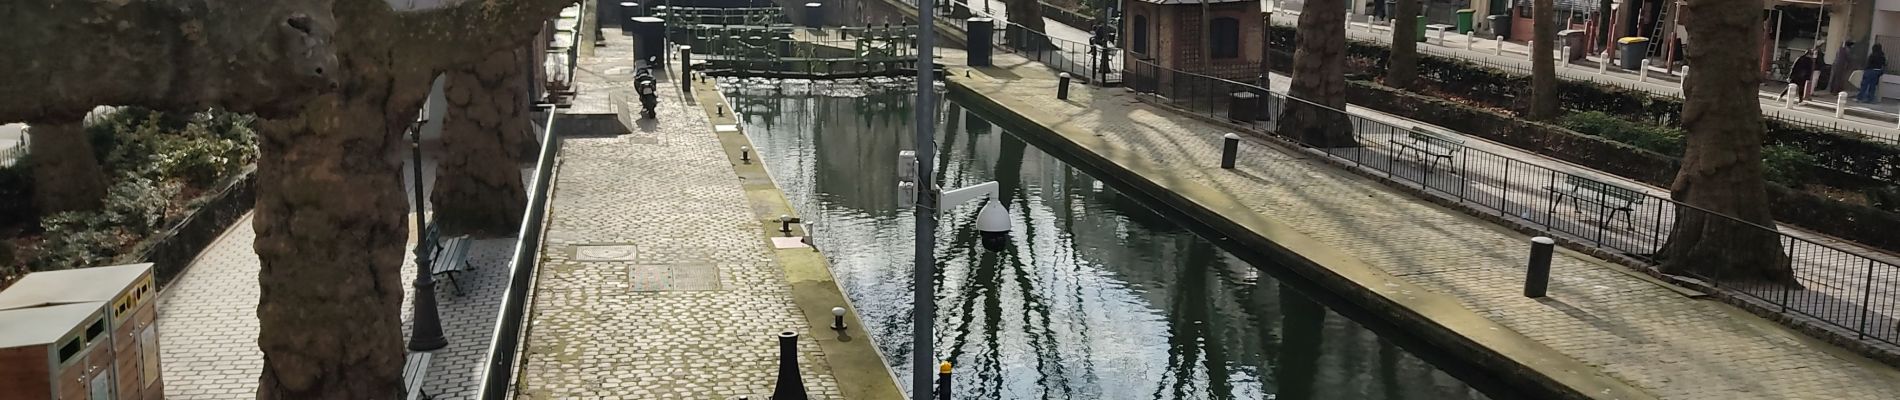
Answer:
(415, 367)
(1430, 146)
(450, 256)
(1608, 198)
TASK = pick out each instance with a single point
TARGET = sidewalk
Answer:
(1881, 122)
(656, 282)
(1631, 327)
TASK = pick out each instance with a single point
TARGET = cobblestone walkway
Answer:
(656, 283)
(207, 320)
(1633, 329)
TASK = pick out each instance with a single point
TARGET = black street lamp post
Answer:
(426, 333)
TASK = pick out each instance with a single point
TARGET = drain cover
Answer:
(604, 252)
(672, 277)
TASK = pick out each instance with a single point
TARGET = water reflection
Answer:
(1098, 297)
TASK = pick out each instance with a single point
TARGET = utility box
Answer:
(86, 333)
(649, 40)
(982, 30)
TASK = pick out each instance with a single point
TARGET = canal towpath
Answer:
(1635, 330)
(660, 278)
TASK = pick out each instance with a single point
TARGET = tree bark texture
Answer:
(67, 56)
(1402, 66)
(66, 173)
(1028, 15)
(478, 188)
(1319, 78)
(1722, 169)
(330, 214)
(1543, 67)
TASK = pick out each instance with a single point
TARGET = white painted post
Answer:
(1470, 37)
(1840, 104)
(1642, 71)
(1369, 24)
(1794, 92)
(1563, 56)
(1897, 124)
(1441, 38)
(1603, 64)
(1498, 46)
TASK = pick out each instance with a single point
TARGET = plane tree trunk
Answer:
(1319, 78)
(66, 173)
(1543, 67)
(1402, 67)
(1722, 169)
(478, 188)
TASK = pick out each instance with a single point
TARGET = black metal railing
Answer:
(503, 352)
(1084, 61)
(1844, 289)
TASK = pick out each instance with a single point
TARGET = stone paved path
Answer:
(689, 303)
(1632, 328)
(1872, 120)
(208, 320)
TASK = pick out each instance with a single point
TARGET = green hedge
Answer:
(1840, 159)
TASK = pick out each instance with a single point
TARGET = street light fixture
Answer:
(426, 333)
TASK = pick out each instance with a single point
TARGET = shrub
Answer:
(1786, 164)
(138, 204)
(1884, 197)
(16, 193)
(76, 239)
(1665, 140)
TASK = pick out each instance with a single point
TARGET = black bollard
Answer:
(628, 10)
(745, 154)
(790, 386)
(1538, 276)
(943, 381)
(785, 224)
(686, 67)
(814, 16)
(837, 317)
(1229, 150)
(1062, 86)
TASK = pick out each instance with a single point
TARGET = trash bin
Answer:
(1464, 20)
(1634, 50)
(1500, 25)
(1421, 28)
(1574, 39)
(1241, 106)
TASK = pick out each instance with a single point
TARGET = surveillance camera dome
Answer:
(992, 225)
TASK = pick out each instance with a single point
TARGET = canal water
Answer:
(1098, 297)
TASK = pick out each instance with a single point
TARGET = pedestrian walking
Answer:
(1870, 77)
(1800, 75)
(1843, 62)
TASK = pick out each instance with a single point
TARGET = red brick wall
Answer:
(1175, 39)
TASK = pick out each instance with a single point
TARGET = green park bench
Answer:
(1608, 198)
(450, 256)
(1430, 147)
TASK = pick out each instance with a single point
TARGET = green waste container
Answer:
(1464, 20)
(1421, 28)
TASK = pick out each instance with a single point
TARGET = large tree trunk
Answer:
(1722, 169)
(1028, 14)
(1543, 68)
(478, 187)
(66, 173)
(330, 227)
(1319, 77)
(1402, 66)
(1605, 38)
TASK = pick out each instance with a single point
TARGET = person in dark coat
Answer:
(1799, 76)
(1870, 77)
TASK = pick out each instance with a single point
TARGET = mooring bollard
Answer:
(745, 154)
(943, 381)
(1537, 278)
(686, 67)
(1497, 47)
(1840, 104)
(785, 224)
(790, 386)
(1062, 86)
(1229, 150)
(837, 318)
(721, 110)
(1642, 71)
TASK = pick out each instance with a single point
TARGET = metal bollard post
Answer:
(789, 386)
(1642, 71)
(1062, 86)
(1470, 38)
(1794, 92)
(1497, 47)
(1441, 38)
(785, 224)
(837, 318)
(943, 381)
(1229, 150)
(686, 67)
(745, 154)
(1537, 278)
(1840, 104)
(1563, 57)
(1603, 64)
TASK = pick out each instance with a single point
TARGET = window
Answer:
(1226, 39)
(68, 350)
(1139, 39)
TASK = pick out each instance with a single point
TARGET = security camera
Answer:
(992, 225)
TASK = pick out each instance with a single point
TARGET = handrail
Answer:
(499, 372)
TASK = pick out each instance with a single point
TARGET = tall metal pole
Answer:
(426, 332)
(924, 307)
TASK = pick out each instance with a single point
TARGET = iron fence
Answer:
(1084, 61)
(499, 371)
(1844, 290)
(12, 154)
